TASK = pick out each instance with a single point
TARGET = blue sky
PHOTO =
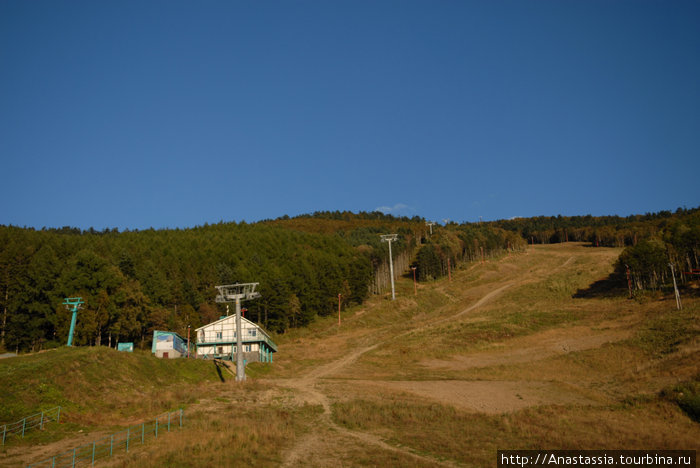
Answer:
(138, 114)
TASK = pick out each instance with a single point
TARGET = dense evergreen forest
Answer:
(134, 282)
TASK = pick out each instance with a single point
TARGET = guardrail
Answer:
(102, 448)
(30, 422)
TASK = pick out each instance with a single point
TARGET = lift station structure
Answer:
(391, 238)
(73, 304)
(236, 293)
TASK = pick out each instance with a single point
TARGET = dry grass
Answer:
(618, 373)
(228, 434)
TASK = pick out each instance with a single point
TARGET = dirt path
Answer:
(539, 346)
(480, 396)
(306, 385)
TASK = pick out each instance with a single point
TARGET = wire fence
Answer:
(22, 426)
(118, 442)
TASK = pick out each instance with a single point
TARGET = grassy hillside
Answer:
(94, 384)
(523, 351)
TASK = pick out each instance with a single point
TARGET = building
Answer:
(218, 340)
(168, 345)
(125, 347)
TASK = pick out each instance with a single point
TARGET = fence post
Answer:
(156, 427)
(143, 432)
(24, 424)
(93, 452)
(41, 422)
(168, 422)
(127, 439)
(58, 415)
(74, 451)
(180, 417)
(4, 431)
(53, 462)
(111, 444)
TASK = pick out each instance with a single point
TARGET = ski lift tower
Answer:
(73, 304)
(390, 238)
(236, 293)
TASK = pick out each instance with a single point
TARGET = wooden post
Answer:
(675, 288)
(339, 295)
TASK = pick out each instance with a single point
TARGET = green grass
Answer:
(95, 381)
(687, 396)
(667, 328)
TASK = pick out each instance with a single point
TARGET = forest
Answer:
(657, 245)
(134, 282)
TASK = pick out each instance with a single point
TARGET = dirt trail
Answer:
(481, 396)
(314, 443)
(539, 346)
(306, 385)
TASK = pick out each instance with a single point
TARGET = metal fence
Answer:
(120, 441)
(22, 426)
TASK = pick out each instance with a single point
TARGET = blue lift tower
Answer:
(73, 303)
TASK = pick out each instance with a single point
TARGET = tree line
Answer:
(454, 244)
(674, 250)
(653, 242)
(134, 282)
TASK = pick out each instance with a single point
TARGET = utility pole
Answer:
(73, 303)
(237, 293)
(390, 238)
(430, 224)
(675, 288)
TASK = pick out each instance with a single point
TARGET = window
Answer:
(219, 335)
(252, 332)
(247, 348)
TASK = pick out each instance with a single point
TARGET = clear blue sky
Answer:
(137, 114)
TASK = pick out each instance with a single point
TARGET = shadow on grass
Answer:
(218, 371)
(604, 288)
